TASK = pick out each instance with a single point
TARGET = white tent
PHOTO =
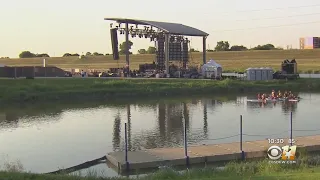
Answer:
(213, 63)
(212, 69)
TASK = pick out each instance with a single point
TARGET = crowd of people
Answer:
(274, 95)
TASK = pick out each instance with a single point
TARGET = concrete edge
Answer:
(113, 161)
(195, 159)
(312, 148)
(222, 157)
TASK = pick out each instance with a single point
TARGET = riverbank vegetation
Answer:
(51, 89)
(305, 168)
(230, 60)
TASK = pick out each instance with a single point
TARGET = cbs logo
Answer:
(274, 152)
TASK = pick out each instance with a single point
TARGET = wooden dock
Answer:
(154, 158)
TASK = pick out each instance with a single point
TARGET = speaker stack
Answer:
(289, 67)
(185, 54)
(160, 55)
(178, 51)
(175, 51)
(114, 42)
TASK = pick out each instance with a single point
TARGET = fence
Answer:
(240, 135)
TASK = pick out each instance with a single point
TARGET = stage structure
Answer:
(170, 40)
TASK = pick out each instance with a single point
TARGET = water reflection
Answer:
(171, 119)
(116, 132)
(205, 121)
(286, 107)
(129, 127)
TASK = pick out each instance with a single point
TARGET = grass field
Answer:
(308, 60)
(24, 90)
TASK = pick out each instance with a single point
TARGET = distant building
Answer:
(310, 43)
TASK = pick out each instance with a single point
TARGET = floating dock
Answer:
(154, 158)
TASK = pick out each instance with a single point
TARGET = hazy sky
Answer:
(58, 26)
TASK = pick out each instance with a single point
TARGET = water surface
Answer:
(47, 137)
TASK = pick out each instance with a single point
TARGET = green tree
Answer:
(151, 50)
(69, 54)
(193, 50)
(88, 54)
(264, 47)
(42, 55)
(123, 47)
(66, 55)
(97, 54)
(26, 54)
(142, 51)
(210, 50)
(222, 46)
(238, 48)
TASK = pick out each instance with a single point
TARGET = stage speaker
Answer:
(114, 42)
(290, 68)
(284, 67)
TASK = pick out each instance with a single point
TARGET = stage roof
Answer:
(171, 28)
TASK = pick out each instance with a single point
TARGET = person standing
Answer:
(82, 73)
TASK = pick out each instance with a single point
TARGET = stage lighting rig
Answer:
(172, 38)
(178, 39)
(133, 34)
(153, 37)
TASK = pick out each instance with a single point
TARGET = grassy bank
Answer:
(304, 169)
(308, 60)
(27, 90)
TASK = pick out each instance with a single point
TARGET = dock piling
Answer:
(241, 140)
(126, 146)
(186, 143)
(291, 129)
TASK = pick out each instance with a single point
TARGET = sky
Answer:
(56, 27)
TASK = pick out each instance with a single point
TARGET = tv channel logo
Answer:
(285, 153)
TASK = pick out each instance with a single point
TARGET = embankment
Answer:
(51, 89)
(304, 169)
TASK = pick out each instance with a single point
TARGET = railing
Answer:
(241, 136)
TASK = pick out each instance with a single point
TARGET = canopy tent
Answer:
(212, 68)
(213, 63)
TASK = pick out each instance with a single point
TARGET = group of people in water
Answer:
(274, 95)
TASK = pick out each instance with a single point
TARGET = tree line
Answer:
(28, 54)
(221, 46)
(225, 46)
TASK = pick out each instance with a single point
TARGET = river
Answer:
(45, 138)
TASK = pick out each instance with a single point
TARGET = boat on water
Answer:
(274, 100)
